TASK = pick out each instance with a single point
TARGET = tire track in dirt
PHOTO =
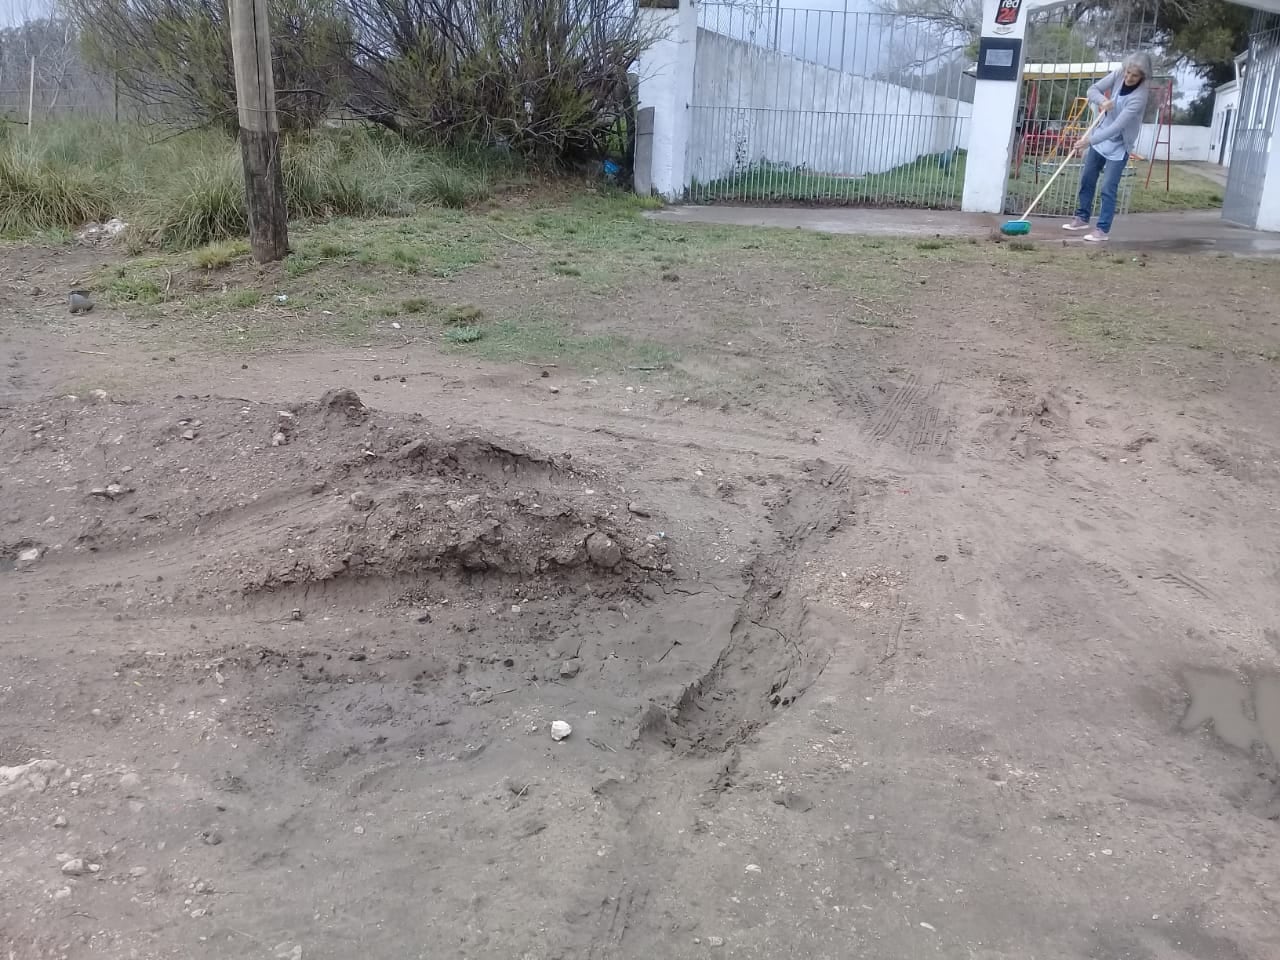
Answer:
(775, 650)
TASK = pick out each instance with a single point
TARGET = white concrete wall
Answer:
(754, 105)
(1186, 143)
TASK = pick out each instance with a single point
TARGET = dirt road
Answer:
(895, 660)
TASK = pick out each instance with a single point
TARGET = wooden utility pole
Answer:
(259, 130)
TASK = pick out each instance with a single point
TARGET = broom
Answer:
(1022, 226)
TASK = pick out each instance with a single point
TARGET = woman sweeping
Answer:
(1122, 94)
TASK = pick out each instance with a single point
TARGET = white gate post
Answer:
(666, 85)
(1269, 201)
(995, 107)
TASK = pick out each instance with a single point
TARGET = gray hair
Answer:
(1139, 61)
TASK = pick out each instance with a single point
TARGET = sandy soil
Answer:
(896, 666)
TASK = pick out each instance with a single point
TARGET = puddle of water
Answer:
(1242, 714)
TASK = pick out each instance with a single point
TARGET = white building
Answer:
(1226, 105)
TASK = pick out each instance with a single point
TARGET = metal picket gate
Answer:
(833, 106)
(1255, 120)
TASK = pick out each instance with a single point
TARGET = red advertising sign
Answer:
(1007, 12)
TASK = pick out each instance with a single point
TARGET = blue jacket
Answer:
(1125, 119)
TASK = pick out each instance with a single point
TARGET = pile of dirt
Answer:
(319, 491)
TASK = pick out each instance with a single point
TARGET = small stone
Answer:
(637, 509)
(479, 698)
(279, 439)
(62, 894)
(715, 941)
(1107, 853)
(295, 614)
(30, 555)
(358, 831)
(75, 868)
(99, 395)
(288, 951)
(603, 552)
(516, 608)
(197, 913)
(560, 730)
(928, 926)
(137, 872)
(569, 669)
(318, 486)
(188, 434)
(211, 837)
(754, 868)
(361, 500)
(95, 868)
(553, 389)
(60, 822)
(130, 781)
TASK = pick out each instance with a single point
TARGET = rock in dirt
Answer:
(75, 868)
(603, 552)
(346, 403)
(638, 509)
(30, 555)
(793, 801)
(33, 775)
(188, 434)
(361, 500)
(570, 668)
(715, 941)
(60, 822)
(560, 730)
(288, 951)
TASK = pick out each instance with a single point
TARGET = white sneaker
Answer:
(1096, 237)
(1076, 224)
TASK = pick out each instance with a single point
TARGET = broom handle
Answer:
(1061, 167)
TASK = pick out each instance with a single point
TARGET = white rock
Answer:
(75, 868)
(33, 775)
(279, 439)
(30, 555)
(560, 730)
(754, 868)
(715, 941)
(928, 926)
(288, 951)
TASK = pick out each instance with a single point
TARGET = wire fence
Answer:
(830, 106)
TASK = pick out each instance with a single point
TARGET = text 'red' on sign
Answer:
(1007, 12)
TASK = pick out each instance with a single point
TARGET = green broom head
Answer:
(1016, 228)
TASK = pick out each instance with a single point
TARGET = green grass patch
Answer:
(464, 335)
(219, 255)
(187, 191)
(933, 181)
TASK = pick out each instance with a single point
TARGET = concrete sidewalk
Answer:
(1198, 232)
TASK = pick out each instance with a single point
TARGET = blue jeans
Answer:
(1096, 164)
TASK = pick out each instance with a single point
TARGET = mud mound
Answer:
(317, 491)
